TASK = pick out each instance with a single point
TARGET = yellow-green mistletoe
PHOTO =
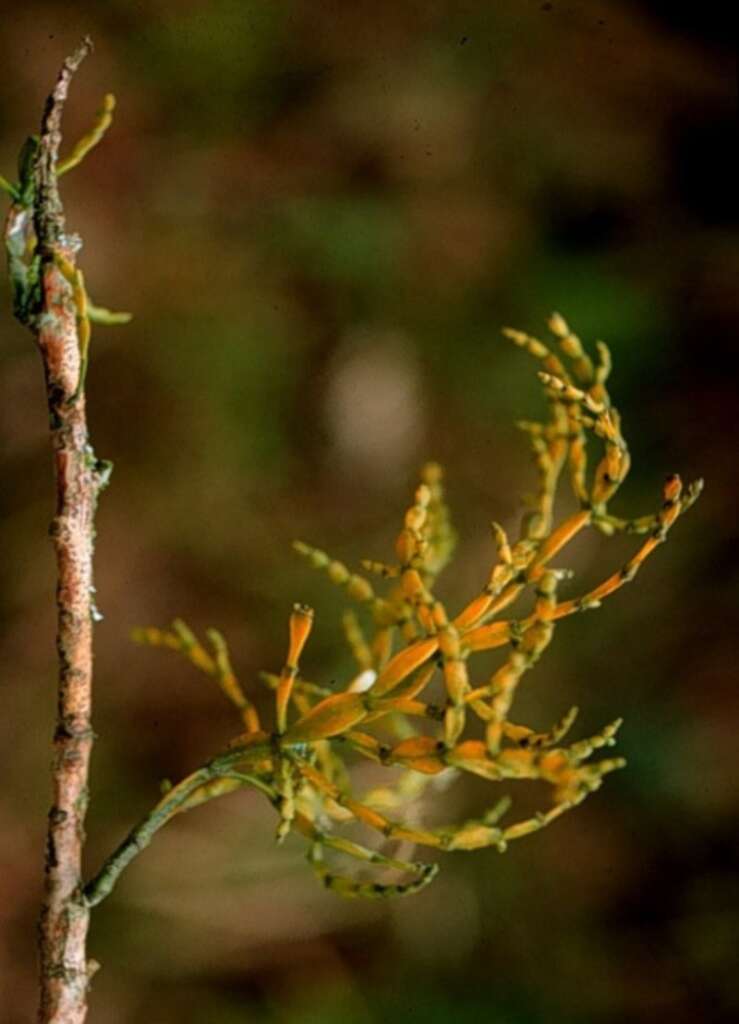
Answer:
(407, 643)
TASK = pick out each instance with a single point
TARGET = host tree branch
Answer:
(44, 302)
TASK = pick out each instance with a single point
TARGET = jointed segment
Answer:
(301, 623)
(350, 888)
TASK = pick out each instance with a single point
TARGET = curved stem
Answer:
(207, 783)
(139, 838)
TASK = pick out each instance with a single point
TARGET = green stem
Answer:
(176, 801)
(139, 838)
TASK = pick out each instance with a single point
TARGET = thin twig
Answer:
(216, 778)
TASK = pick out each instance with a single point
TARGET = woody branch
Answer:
(63, 926)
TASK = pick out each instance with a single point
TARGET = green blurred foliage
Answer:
(320, 215)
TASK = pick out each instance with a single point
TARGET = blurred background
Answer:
(320, 215)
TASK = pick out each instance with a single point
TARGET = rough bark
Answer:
(64, 918)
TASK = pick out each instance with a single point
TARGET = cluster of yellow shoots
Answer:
(301, 762)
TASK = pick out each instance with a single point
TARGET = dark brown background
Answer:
(320, 214)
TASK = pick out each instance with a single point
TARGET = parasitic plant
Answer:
(301, 758)
(414, 702)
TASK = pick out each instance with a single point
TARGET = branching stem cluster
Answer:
(388, 711)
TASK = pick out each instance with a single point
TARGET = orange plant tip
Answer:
(672, 488)
(301, 623)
